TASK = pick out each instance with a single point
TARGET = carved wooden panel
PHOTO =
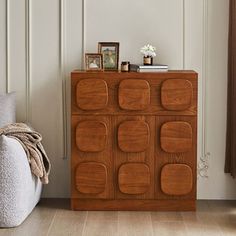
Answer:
(134, 94)
(102, 157)
(91, 136)
(176, 137)
(133, 136)
(145, 157)
(155, 82)
(176, 94)
(187, 158)
(91, 94)
(176, 179)
(134, 140)
(91, 178)
(134, 178)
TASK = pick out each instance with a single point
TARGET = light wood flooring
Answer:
(53, 217)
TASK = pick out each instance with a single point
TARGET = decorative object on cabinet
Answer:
(94, 61)
(149, 68)
(148, 52)
(110, 52)
(125, 66)
(134, 141)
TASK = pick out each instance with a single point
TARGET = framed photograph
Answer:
(93, 61)
(110, 53)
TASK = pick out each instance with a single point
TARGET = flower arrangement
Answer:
(148, 50)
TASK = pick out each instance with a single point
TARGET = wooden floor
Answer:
(53, 217)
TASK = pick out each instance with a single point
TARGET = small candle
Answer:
(125, 66)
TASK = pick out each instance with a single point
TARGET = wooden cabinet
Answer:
(134, 140)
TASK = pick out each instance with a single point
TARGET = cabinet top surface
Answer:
(169, 72)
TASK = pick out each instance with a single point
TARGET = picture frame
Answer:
(94, 62)
(110, 52)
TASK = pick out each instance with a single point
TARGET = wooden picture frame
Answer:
(94, 61)
(110, 52)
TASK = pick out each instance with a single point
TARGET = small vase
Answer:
(147, 60)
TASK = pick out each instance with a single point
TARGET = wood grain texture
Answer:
(169, 228)
(100, 228)
(176, 137)
(134, 178)
(133, 136)
(67, 222)
(141, 137)
(212, 218)
(91, 94)
(176, 95)
(166, 216)
(176, 179)
(38, 223)
(133, 223)
(132, 205)
(134, 94)
(145, 157)
(102, 157)
(91, 136)
(91, 177)
(163, 158)
(155, 81)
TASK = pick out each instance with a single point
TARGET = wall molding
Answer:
(7, 46)
(203, 165)
(63, 76)
(203, 162)
(28, 58)
(184, 35)
(83, 33)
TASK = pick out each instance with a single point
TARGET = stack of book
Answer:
(149, 68)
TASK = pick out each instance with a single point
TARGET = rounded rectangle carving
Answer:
(176, 94)
(134, 94)
(133, 136)
(91, 94)
(134, 178)
(91, 178)
(176, 137)
(91, 136)
(176, 179)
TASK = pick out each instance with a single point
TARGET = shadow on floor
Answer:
(54, 203)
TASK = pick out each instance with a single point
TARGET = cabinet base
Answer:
(132, 205)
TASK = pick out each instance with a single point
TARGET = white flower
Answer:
(148, 50)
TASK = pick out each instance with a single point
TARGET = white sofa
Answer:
(20, 191)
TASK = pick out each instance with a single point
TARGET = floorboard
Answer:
(54, 217)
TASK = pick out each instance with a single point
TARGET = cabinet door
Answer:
(175, 157)
(92, 163)
(177, 94)
(134, 93)
(134, 156)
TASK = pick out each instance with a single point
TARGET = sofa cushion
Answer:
(7, 109)
(19, 190)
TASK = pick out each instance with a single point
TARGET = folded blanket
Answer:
(31, 142)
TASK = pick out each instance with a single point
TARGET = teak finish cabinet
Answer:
(134, 140)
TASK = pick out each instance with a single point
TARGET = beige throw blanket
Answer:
(31, 142)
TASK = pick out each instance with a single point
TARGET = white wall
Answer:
(219, 184)
(42, 41)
